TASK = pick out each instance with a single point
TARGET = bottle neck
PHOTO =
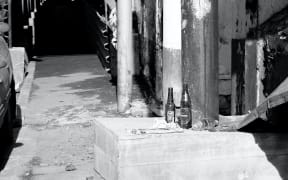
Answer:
(170, 96)
(185, 99)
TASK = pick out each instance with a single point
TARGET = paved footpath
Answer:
(59, 99)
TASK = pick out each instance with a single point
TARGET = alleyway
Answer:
(67, 94)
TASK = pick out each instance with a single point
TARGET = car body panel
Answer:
(6, 78)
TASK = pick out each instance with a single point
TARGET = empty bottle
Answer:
(170, 107)
(185, 119)
(205, 124)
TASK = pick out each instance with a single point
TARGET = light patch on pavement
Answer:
(54, 92)
(65, 116)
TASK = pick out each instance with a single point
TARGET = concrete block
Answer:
(187, 155)
(20, 62)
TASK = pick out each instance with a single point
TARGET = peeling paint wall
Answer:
(268, 7)
(236, 17)
(231, 25)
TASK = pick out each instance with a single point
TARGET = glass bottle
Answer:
(185, 119)
(170, 107)
(205, 124)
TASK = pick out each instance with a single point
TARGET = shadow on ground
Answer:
(272, 138)
(7, 147)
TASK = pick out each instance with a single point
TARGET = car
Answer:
(7, 94)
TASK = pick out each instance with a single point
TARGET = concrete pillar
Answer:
(124, 54)
(172, 74)
(159, 50)
(200, 56)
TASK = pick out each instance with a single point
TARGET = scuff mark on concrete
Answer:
(201, 8)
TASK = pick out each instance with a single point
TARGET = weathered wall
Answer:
(236, 17)
(268, 7)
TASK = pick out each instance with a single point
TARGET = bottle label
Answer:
(185, 118)
(170, 116)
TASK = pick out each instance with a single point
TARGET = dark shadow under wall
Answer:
(61, 28)
(271, 137)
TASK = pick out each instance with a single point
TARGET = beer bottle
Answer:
(185, 119)
(170, 107)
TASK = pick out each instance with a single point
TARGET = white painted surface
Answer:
(172, 24)
(201, 8)
(260, 60)
(19, 61)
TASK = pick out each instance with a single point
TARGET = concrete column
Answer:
(172, 75)
(124, 54)
(159, 49)
(200, 56)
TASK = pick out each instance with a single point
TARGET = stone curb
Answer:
(26, 88)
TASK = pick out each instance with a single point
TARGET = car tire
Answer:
(12, 103)
(7, 134)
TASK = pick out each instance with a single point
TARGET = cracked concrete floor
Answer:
(56, 139)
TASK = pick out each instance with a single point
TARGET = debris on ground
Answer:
(70, 167)
(90, 178)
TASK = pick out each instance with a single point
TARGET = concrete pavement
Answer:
(60, 98)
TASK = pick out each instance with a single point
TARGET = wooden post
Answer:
(237, 79)
(172, 75)
(148, 30)
(159, 50)
(23, 7)
(247, 74)
(260, 72)
(10, 23)
(250, 76)
(106, 13)
(35, 6)
(29, 6)
(124, 54)
(200, 56)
